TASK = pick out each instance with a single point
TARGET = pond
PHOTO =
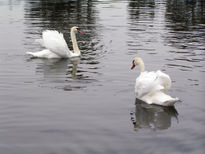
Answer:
(87, 105)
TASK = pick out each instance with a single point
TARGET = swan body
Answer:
(151, 87)
(56, 46)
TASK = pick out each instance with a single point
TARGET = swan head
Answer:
(138, 61)
(76, 29)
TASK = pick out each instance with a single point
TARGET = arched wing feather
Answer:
(163, 80)
(55, 42)
(145, 83)
(149, 82)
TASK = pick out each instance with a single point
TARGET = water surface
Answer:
(87, 105)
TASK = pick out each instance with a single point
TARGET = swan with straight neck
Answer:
(56, 46)
(73, 39)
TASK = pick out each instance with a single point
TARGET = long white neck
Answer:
(141, 65)
(73, 39)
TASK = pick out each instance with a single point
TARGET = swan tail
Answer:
(31, 54)
(170, 102)
(43, 54)
(160, 98)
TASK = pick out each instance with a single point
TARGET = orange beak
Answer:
(80, 31)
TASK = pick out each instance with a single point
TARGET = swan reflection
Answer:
(74, 70)
(59, 73)
(152, 116)
(52, 68)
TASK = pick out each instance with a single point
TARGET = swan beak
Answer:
(133, 66)
(80, 31)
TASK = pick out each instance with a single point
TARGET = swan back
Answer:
(55, 42)
(146, 83)
(151, 87)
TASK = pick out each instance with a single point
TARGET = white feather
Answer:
(43, 54)
(151, 87)
(56, 46)
(55, 42)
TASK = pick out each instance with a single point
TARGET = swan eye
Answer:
(78, 30)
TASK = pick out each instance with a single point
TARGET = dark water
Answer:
(87, 105)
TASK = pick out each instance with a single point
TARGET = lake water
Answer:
(87, 105)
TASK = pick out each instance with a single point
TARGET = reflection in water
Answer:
(60, 72)
(185, 22)
(137, 9)
(74, 70)
(52, 67)
(174, 27)
(60, 14)
(142, 15)
(134, 7)
(184, 14)
(64, 73)
(152, 116)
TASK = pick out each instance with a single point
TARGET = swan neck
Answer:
(141, 65)
(74, 42)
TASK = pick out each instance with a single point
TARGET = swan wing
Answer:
(146, 84)
(151, 87)
(163, 80)
(55, 42)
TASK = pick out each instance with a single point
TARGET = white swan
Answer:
(151, 87)
(56, 46)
